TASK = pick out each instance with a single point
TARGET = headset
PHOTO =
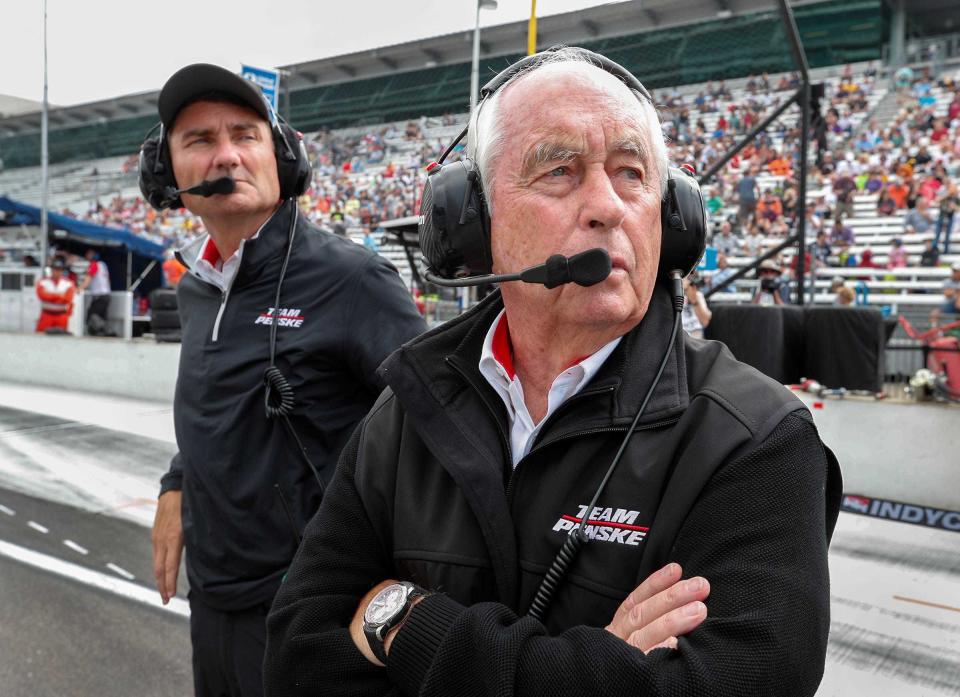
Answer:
(159, 187)
(454, 231)
(454, 225)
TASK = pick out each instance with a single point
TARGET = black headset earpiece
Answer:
(683, 224)
(156, 171)
(293, 164)
(157, 182)
(454, 225)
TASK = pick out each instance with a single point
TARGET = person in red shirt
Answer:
(56, 298)
(953, 111)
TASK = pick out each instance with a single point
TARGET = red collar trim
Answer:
(502, 347)
(577, 361)
(210, 253)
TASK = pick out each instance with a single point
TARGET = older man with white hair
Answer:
(432, 566)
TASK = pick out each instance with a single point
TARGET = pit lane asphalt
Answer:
(61, 637)
(86, 470)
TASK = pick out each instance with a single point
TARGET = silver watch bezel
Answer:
(407, 588)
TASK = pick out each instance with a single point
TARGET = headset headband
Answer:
(602, 62)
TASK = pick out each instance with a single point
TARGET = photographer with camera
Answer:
(696, 313)
(768, 292)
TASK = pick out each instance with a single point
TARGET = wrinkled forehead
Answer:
(555, 92)
(208, 113)
(562, 103)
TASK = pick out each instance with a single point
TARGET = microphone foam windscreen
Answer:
(223, 185)
(590, 267)
(558, 271)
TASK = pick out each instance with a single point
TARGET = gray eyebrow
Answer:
(634, 145)
(549, 151)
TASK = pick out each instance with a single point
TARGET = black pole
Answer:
(760, 128)
(800, 61)
(802, 192)
(793, 36)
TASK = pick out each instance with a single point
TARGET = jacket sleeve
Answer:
(172, 480)
(380, 317)
(757, 534)
(309, 649)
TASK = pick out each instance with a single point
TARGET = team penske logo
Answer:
(617, 525)
(286, 317)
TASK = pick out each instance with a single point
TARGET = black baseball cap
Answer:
(194, 80)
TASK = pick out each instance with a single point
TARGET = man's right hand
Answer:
(167, 538)
(660, 609)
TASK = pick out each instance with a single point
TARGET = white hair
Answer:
(485, 135)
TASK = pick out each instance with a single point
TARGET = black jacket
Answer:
(343, 310)
(726, 475)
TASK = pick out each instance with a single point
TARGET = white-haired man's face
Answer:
(576, 171)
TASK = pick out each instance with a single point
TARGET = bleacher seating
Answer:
(375, 173)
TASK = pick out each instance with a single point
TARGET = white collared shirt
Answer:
(496, 365)
(211, 268)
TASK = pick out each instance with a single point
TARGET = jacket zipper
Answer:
(223, 306)
(225, 295)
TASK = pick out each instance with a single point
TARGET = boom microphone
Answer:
(585, 269)
(223, 185)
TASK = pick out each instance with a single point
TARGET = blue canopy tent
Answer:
(141, 255)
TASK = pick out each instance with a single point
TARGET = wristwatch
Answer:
(388, 608)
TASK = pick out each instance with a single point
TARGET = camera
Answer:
(769, 284)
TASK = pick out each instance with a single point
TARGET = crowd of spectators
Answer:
(911, 164)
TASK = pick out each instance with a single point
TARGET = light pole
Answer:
(44, 152)
(475, 68)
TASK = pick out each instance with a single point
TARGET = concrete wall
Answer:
(140, 368)
(902, 451)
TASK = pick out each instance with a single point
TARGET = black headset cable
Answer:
(577, 537)
(278, 399)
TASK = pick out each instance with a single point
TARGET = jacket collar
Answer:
(442, 362)
(271, 240)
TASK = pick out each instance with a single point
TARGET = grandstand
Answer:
(392, 110)
(431, 76)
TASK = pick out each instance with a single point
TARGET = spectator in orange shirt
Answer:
(769, 206)
(899, 191)
(780, 167)
(173, 270)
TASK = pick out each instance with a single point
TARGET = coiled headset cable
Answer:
(278, 399)
(577, 537)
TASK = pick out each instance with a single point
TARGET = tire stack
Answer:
(164, 316)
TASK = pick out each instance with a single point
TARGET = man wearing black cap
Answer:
(268, 299)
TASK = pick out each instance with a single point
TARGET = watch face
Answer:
(385, 604)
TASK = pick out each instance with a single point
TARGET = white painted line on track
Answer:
(7, 511)
(75, 547)
(120, 571)
(95, 579)
(38, 527)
